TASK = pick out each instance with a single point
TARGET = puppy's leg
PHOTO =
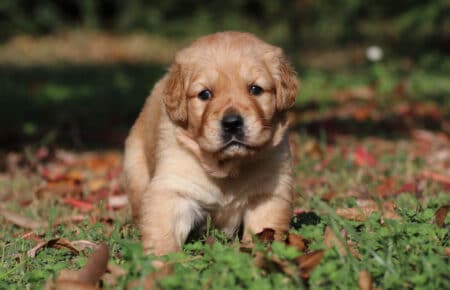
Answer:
(274, 213)
(167, 218)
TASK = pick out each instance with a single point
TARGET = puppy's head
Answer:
(230, 91)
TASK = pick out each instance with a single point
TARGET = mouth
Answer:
(234, 142)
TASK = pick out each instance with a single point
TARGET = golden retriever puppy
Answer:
(210, 141)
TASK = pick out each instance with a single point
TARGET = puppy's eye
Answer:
(255, 90)
(205, 95)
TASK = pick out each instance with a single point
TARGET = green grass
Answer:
(398, 255)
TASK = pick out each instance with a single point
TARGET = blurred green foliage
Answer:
(409, 27)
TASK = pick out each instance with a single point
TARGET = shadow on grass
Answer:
(72, 105)
(88, 106)
(390, 125)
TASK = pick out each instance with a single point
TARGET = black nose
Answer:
(232, 124)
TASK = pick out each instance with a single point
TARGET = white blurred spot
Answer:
(374, 53)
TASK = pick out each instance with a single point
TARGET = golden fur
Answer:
(177, 167)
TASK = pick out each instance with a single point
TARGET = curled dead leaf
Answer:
(57, 243)
(308, 262)
(84, 244)
(441, 215)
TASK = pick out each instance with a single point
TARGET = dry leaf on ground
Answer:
(366, 208)
(362, 157)
(296, 241)
(267, 235)
(308, 262)
(87, 277)
(447, 252)
(84, 244)
(364, 281)
(437, 177)
(330, 240)
(441, 215)
(57, 243)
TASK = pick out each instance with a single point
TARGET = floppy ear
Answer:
(175, 95)
(285, 80)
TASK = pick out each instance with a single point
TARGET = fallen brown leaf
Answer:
(331, 240)
(366, 208)
(57, 243)
(358, 93)
(267, 235)
(63, 187)
(356, 214)
(84, 244)
(21, 221)
(440, 215)
(308, 262)
(441, 178)
(273, 262)
(95, 266)
(364, 280)
(284, 266)
(210, 240)
(447, 252)
(86, 278)
(362, 157)
(386, 188)
(296, 241)
(96, 184)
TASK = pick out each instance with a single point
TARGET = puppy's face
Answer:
(229, 91)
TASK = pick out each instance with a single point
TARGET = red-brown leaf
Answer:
(362, 157)
(308, 262)
(296, 241)
(79, 204)
(440, 215)
(267, 235)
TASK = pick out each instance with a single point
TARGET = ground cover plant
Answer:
(372, 155)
